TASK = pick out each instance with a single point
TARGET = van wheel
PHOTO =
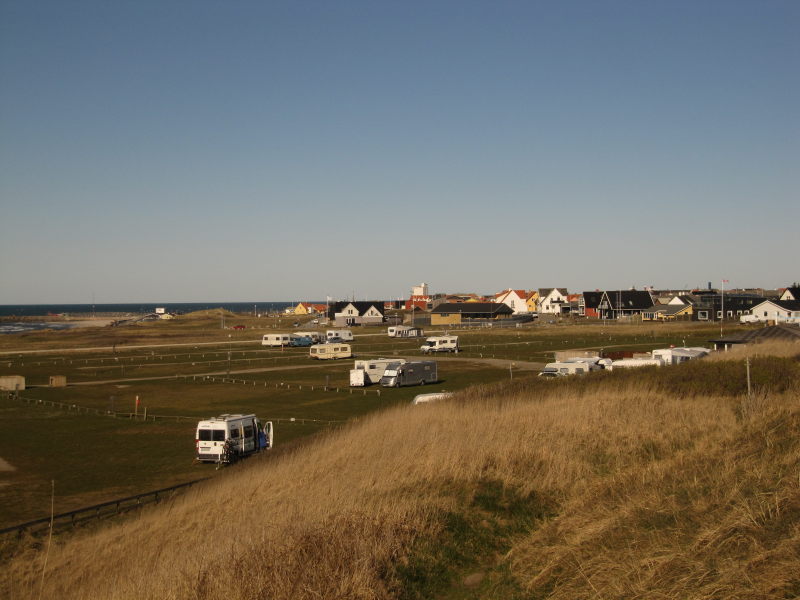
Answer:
(422, 383)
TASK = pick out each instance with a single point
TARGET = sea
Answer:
(34, 316)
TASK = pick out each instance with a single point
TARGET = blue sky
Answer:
(265, 151)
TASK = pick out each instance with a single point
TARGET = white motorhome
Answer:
(410, 373)
(330, 351)
(366, 372)
(675, 356)
(425, 398)
(344, 335)
(405, 331)
(562, 369)
(276, 339)
(631, 363)
(440, 343)
(244, 435)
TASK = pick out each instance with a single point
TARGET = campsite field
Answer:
(54, 437)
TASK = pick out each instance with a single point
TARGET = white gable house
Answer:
(553, 301)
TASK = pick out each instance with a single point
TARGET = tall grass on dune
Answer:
(634, 487)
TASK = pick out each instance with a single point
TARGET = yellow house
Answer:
(306, 308)
(463, 312)
(532, 301)
(668, 312)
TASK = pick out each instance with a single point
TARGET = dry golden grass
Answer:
(657, 497)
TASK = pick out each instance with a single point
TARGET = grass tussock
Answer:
(609, 487)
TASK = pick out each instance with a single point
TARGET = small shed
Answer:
(10, 383)
(58, 381)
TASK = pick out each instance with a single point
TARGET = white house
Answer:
(791, 293)
(552, 300)
(780, 311)
(516, 300)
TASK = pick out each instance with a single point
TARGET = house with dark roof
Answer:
(714, 306)
(668, 312)
(463, 312)
(624, 303)
(356, 313)
(589, 303)
(791, 293)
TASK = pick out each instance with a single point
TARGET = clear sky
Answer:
(166, 151)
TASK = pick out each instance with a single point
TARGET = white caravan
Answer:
(405, 331)
(561, 369)
(425, 398)
(366, 372)
(344, 335)
(244, 434)
(276, 339)
(632, 363)
(440, 343)
(330, 351)
(675, 356)
(595, 363)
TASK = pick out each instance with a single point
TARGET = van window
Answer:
(234, 433)
(248, 431)
(211, 435)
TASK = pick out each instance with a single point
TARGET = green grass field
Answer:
(93, 458)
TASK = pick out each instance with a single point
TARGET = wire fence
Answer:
(105, 509)
(144, 416)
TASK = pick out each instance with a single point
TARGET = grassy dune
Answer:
(670, 483)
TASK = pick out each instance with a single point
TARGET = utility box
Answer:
(58, 381)
(10, 383)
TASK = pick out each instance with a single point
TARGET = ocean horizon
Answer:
(139, 308)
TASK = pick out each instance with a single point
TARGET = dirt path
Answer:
(494, 362)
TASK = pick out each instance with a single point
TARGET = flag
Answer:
(725, 281)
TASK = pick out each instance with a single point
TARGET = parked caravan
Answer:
(229, 437)
(300, 341)
(425, 398)
(405, 331)
(366, 372)
(276, 339)
(343, 335)
(561, 369)
(629, 363)
(675, 356)
(440, 343)
(410, 373)
(330, 351)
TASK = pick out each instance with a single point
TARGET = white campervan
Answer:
(276, 339)
(243, 432)
(440, 343)
(340, 335)
(330, 351)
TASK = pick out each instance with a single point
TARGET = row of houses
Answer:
(649, 305)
